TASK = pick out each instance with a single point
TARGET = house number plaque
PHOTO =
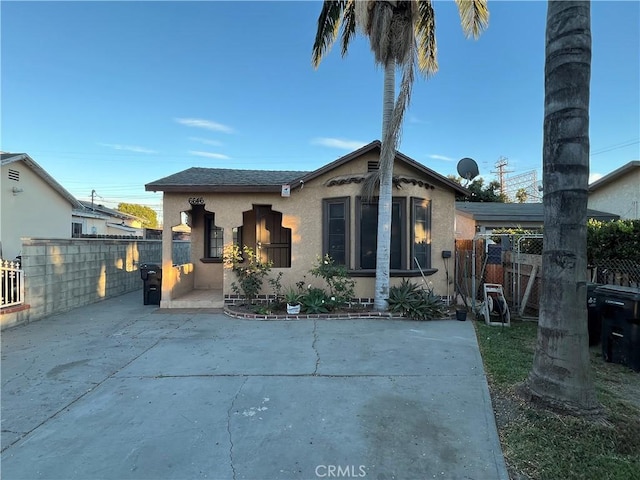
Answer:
(196, 200)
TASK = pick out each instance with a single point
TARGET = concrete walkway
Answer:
(118, 390)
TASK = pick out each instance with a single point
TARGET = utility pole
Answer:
(501, 165)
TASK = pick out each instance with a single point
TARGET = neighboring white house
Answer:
(618, 192)
(32, 204)
(95, 219)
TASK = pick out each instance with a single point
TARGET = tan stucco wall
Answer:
(37, 211)
(621, 196)
(465, 226)
(302, 213)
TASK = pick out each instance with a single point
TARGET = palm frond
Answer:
(394, 130)
(328, 28)
(474, 16)
(424, 25)
(348, 25)
(370, 185)
(402, 31)
(380, 32)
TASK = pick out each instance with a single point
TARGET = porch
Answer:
(198, 298)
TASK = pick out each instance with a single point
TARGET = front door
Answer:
(263, 231)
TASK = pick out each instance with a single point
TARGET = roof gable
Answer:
(615, 175)
(9, 158)
(229, 180)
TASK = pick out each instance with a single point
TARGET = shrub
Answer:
(276, 285)
(415, 302)
(341, 286)
(249, 269)
(615, 240)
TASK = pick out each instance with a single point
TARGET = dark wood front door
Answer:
(269, 239)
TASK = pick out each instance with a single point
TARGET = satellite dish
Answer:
(468, 169)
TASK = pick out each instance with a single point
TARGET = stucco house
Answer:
(484, 217)
(618, 192)
(33, 204)
(96, 219)
(294, 217)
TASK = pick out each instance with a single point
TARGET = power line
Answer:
(617, 146)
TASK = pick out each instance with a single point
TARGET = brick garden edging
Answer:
(311, 316)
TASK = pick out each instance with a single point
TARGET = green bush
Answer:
(278, 295)
(615, 240)
(415, 302)
(341, 287)
(249, 269)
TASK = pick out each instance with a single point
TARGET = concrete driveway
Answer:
(118, 390)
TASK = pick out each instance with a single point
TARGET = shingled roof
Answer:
(224, 179)
(197, 179)
(517, 212)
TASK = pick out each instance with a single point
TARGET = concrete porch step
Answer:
(197, 299)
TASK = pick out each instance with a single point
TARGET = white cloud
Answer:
(206, 124)
(218, 156)
(435, 156)
(206, 141)
(128, 148)
(414, 119)
(595, 176)
(338, 143)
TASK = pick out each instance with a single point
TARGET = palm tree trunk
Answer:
(383, 247)
(561, 377)
(388, 96)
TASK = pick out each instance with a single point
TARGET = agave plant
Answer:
(413, 301)
(315, 301)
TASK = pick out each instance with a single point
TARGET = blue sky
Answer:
(108, 96)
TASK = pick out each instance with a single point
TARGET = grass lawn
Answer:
(542, 445)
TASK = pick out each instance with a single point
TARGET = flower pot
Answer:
(293, 309)
(461, 315)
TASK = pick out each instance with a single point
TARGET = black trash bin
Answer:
(593, 314)
(620, 312)
(151, 275)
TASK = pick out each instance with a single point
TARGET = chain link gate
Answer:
(511, 260)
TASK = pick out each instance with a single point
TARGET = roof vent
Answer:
(14, 175)
(372, 166)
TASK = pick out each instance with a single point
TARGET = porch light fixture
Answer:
(16, 190)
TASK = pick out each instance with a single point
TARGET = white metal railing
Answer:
(11, 283)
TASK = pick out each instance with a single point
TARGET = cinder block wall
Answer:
(61, 274)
